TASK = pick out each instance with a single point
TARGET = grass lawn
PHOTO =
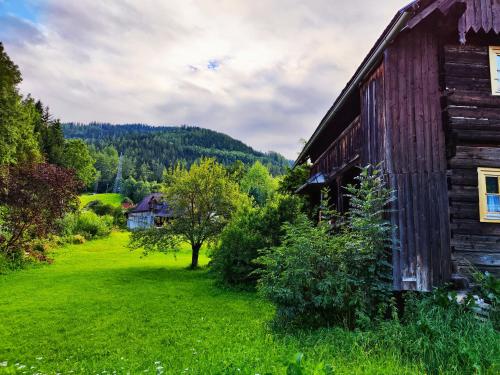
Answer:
(101, 309)
(108, 198)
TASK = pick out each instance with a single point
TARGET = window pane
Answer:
(493, 203)
(492, 185)
(498, 62)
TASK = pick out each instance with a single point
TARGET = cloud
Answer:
(262, 71)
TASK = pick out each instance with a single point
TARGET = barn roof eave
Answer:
(397, 24)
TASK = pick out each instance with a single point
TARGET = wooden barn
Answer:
(425, 103)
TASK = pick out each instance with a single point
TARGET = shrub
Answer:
(78, 239)
(87, 224)
(103, 209)
(318, 278)
(90, 225)
(251, 229)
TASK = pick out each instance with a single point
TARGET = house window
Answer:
(495, 69)
(489, 195)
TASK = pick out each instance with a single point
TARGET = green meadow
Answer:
(102, 309)
(106, 198)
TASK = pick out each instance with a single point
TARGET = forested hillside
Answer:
(148, 150)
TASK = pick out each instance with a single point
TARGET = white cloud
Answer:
(264, 72)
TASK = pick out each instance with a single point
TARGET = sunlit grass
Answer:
(100, 308)
(107, 198)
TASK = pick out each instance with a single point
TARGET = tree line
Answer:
(147, 151)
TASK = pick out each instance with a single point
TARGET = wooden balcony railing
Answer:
(342, 152)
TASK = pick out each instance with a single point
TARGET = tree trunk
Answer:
(195, 255)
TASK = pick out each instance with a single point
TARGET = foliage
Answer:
(18, 142)
(48, 131)
(78, 239)
(76, 156)
(444, 335)
(202, 199)
(294, 178)
(103, 209)
(106, 163)
(85, 223)
(258, 183)
(138, 190)
(90, 225)
(250, 230)
(318, 278)
(34, 197)
(167, 147)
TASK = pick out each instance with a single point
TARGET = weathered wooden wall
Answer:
(372, 118)
(481, 15)
(416, 160)
(472, 116)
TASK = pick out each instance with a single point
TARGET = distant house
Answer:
(425, 103)
(151, 212)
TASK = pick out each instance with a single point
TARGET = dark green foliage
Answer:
(106, 164)
(318, 278)
(103, 209)
(76, 156)
(49, 133)
(137, 190)
(251, 229)
(149, 150)
(294, 178)
(18, 141)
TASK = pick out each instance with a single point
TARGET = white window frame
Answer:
(494, 68)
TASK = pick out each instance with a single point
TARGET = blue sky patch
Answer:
(26, 9)
(213, 64)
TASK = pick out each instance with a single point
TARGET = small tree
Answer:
(202, 199)
(34, 197)
(77, 156)
(258, 183)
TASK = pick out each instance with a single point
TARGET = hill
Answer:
(156, 147)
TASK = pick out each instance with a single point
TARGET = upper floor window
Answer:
(489, 194)
(495, 69)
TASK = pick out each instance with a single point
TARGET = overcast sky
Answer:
(263, 71)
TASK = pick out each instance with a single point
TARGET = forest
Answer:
(147, 151)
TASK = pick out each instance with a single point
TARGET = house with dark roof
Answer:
(151, 212)
(425, 104)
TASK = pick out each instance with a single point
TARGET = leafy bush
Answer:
(87, 224)
(78, 239)
(318, 278)
(103, 209)
(90, 225)
(251, 229)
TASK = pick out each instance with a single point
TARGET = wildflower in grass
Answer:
(3, 364)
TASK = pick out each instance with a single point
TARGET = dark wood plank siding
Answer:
(416, 160)
(372, 118)
(473, 134)
(481, 15)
